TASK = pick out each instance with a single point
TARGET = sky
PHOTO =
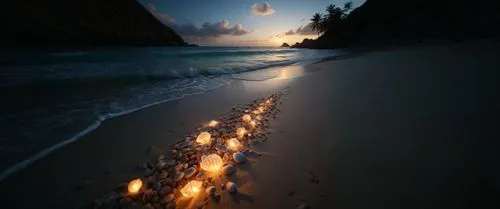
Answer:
(240, 22)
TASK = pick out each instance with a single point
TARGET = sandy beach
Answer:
(410, 127)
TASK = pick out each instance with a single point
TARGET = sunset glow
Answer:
(240, 23)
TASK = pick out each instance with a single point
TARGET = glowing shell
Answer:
(246, 117)
(253, 123)
(192, 188)
(241, 131)
(261, 109)
(211, 163)
(256, 112)
(203, 138)
(233, 143)
(134, 186)
(213, 123)
(258, 117)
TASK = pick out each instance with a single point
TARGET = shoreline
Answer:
(374, 130)
(21, 164)
(44, 165)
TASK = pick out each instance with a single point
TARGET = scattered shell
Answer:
(160, 165)
(239, 157)
(165, 190)
(189, 172)
(165, 179)
(200, 176)
(168, 198)
(231, 187)
(228, 169)
(171, 163)
(151, 179)
(211, 191)
(178, 176)
(148, 172)
(162, 175)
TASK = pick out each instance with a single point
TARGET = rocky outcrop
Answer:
(389, 22)
(285, 45)
(82, 23)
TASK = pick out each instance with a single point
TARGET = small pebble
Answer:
(231, 187)
(211, 191)
(200, 176)
(189, 172)
(228, 169)
(239, 157)
(168, 198)
(303, 206)
(178, 176)
(165, 190)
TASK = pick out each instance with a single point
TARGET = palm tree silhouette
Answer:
(347, 6)
(316, 22)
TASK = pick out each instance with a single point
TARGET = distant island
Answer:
(285, 45)
(77, 23)
(393, 22)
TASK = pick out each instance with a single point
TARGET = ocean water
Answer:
(50, 99)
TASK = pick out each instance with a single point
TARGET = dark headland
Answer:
(285, 45)
(54, 23)
(395, 22)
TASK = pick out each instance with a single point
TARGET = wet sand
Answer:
(401, 128)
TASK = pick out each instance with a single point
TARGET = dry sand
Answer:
(405, 128)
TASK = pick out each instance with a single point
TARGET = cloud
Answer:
(211, 29)
(263, 9)
(290, 32)
(207, 31)
(306, 30)
(302, 30)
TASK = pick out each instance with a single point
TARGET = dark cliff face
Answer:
(82, 23)
(386, 22)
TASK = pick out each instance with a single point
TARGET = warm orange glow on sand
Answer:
(211, 163)
(203, 138)
(134, 186)
(191, 189)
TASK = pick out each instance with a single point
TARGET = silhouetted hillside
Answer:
(82, 23)
(382, 22)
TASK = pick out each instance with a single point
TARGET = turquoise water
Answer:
(56, 97)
